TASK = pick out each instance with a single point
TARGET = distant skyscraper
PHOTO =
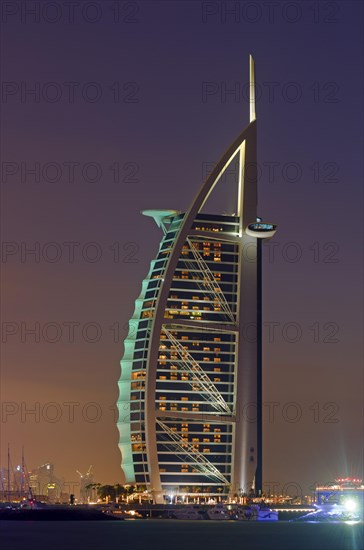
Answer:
(188, 374)
(43, 482)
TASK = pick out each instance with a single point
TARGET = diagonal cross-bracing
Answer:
(208, 281)
(201, 463)
(198, 377)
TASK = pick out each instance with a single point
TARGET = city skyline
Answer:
(171, 98)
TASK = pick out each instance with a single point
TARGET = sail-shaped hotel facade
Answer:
(190, 383)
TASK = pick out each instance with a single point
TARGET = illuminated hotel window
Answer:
(173, 407)
(184, 376)
(206, 450)
(137, 447)
(163, 398)
(147, 314)
(184, 275)
(217, 349)
(137, 385)
(206, 440)
(195, 440)
(217, 369)
(184, 399)
(138, 375)
(184, 338)
(195, 408)
(195, 297)
(173, 377)
(185, 409)
(162, 378)
(206, 298)
(206, 349)
(217, 359)
(217, 379)
(217, 429)
(206, 358)
(217, 339)
(206, 427)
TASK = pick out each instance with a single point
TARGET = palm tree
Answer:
(93, 489)
(106, 492)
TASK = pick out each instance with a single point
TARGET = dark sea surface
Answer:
(176, 535)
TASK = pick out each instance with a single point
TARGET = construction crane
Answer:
(85, 480)
(88, 473)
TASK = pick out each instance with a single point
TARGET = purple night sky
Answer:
(133, 102)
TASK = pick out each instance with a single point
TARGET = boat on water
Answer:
(265, 514)
(219, 512)
(226, 512)
(254, 512)
(189, 513)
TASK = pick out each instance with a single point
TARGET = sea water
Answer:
(179, 535)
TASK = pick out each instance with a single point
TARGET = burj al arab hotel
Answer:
(188, 373)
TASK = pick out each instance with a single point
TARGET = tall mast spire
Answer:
(252, 89)
(8, 472)
(22, 472)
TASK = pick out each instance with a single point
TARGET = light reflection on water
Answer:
(179, 535)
